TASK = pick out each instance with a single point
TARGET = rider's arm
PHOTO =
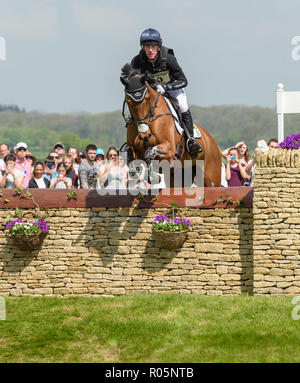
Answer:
(178, 79)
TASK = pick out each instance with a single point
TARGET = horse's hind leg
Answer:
(198, 173)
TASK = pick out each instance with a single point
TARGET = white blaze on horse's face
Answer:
(143, 128)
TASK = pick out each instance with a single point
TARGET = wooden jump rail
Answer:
(202, 198)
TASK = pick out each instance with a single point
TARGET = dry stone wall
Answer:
(110, 251)
(276, 223)
(102, 251)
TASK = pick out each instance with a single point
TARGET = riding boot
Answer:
(192, 144)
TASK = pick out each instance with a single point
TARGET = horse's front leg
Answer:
(163, 151)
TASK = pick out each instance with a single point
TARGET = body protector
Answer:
(164, 71)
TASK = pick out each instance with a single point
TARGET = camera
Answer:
(49, 165)
(233, 157)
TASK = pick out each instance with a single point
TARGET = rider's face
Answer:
(151, 51)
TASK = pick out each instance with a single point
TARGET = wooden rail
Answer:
(196, 198)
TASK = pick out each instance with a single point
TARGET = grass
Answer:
(150, 328)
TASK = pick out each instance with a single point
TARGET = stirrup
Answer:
(193, 146)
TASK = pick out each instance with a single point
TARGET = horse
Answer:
(151, 130)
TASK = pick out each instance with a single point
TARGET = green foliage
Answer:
(227, 124)
(72, 195)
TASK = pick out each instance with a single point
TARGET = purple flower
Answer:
(177, 220)
(291, 142)
(162, 218)
(10, 224)
(42, 225)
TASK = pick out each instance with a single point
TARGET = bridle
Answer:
(151, 115)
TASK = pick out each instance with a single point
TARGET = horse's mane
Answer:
(128, 71)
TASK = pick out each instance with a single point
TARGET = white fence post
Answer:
(280, 112)
(287, 102)
(2, 49)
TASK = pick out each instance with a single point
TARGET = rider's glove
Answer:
(161, 89)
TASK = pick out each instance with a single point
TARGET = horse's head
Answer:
(135, 85)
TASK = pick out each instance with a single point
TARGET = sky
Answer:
(65, 56)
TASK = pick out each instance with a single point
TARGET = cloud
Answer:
(36, 21)
(102, 18)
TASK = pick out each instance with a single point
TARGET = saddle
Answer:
(176, 107)
(182, 131)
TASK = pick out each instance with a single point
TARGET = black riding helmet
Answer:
(150, 37)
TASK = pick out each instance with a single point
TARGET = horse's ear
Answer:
(124, 80)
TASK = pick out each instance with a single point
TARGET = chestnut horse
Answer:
(151, 130)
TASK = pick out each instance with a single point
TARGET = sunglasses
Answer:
(112, 155)
(53, 157)
(21, 149)
(29, 158)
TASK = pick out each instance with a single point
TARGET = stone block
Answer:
(216, 248)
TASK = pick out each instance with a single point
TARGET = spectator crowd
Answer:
(95, 169)
(239, 167)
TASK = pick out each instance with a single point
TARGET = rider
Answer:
(165, 75)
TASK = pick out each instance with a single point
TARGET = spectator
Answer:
(235, 169)
(244, 157)
(60, 150)
(61, 181)
(88, 171)
(29, 157)
(11, 177)
(114, 176)
(273, 144)
(69, 162)
(37, 180)
(100, 156)
(4, 151)
(123, 167)
(73, 152)
(49, 168)
(22, 164)
(243, 152)
(56, 158)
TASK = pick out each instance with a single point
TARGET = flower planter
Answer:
(170, 239)
(28, 242)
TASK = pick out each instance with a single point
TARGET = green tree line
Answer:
(228, 124)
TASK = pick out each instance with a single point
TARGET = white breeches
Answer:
(180, 95)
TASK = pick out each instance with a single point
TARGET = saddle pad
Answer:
(172, 110)
(197, 133)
